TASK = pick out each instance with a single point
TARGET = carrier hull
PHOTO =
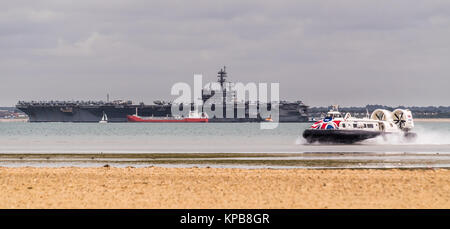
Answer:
(119, 113)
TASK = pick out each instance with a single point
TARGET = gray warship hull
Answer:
(47, 112)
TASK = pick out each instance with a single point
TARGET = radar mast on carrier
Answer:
(222, 74)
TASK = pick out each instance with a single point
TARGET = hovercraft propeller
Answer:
(399, 121)
(379, 116)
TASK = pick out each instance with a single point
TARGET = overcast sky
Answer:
(322, 52)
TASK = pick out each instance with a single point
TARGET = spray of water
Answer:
(300, 141)
(425, 136)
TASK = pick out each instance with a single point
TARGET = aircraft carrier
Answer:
(117, 111)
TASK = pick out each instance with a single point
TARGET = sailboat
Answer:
(104, 118)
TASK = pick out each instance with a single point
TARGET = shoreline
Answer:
(157, 187)
(310, 160)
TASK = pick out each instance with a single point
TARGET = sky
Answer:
(347, 52)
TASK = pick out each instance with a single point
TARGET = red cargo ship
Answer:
(193, 117)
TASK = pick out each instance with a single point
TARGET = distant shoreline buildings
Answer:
(11, 113)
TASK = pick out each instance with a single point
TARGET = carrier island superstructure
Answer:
(117, 111)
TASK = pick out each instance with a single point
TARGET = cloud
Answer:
(82, 48)
(350, 52)
(23, 15)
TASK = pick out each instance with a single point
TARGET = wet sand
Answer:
(299, 160)
(155, 187)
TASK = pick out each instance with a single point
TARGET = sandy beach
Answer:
(156, 187)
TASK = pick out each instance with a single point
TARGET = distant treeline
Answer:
(418, 112)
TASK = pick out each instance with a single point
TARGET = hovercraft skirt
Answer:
(338, 136)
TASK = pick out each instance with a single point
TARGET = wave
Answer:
(425, 136)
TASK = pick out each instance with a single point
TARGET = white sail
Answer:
(104, 118)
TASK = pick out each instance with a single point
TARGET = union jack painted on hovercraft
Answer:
(326, 124)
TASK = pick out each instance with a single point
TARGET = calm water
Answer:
(82, 138)
(190, 137)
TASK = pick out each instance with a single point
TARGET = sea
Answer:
(223, 145)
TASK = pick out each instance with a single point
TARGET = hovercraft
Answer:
(335, 128)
